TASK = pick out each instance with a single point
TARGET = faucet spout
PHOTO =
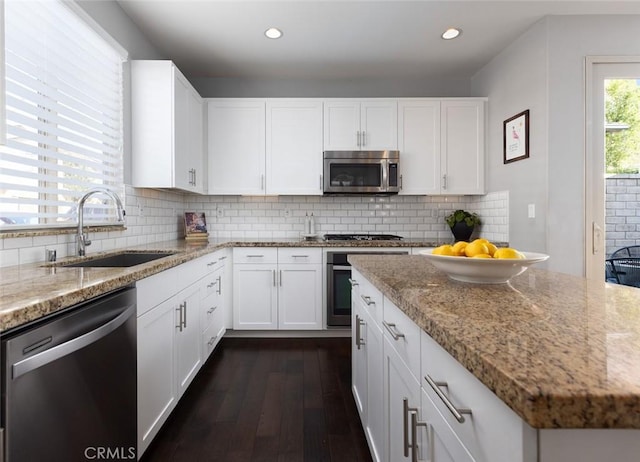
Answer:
(82, 239)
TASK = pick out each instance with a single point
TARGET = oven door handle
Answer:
(341, 268)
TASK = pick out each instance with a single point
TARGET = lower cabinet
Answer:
(187, 335)
(277, 288)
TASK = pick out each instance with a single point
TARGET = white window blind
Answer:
(64, 116)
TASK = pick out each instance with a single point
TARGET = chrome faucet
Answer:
(82, 238)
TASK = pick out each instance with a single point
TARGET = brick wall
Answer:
(622, 205)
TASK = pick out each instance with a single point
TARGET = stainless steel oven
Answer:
(361, 172)
(338, 286)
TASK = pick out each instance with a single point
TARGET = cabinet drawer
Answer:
(155, 289)
(370, 298)
(210, 284)
(210, 338)
(404, 335)
(210, 308)
(255, 255)
(490, 423)
(293, 255)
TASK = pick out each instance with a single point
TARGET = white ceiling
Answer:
(342, 39)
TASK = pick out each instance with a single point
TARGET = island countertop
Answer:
(561, 351)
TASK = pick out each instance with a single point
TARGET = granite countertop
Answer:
(29, 292)
(560, 350)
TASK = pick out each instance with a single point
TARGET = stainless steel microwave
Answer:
(361, 172)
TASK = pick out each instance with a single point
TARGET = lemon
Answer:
(481, 239)
(444, 250)
(482, 255)
(459, 246)
(508, 252)
(492, 249)
(476, 248)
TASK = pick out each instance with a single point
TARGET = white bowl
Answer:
(483, 270)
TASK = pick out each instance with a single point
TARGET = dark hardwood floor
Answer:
(284, 400)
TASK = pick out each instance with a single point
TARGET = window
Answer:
(64, 116)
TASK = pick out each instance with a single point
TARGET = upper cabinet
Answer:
(294, 147)
(259, 147)
(167, 128)
(361, 125)
(441, 143)
(236, 141)
(462, 146)
(3, 116)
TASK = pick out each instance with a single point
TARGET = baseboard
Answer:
(327, 333)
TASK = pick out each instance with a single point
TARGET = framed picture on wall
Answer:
(516, 137)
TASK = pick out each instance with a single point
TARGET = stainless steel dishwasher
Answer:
(69, 384)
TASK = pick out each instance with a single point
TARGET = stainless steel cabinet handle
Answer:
(444, 181)
(280, 278)
(212, 340)
(359, 324)
(219, 285)
(405, 426)
(415, 423)
(367, 300)
(185, 314)
(393, 330)
(353, 282)
(300, 256)
(457, 413)
(195, 182)
(364, 138)
(400, 181)
(211, 263)
(209, 286)
(262, 182)
(358, 138)
(64, 349)
(212, 309)
(255, 256)
(179, 310)
(274, 277)
(320, 182)
(222, 258)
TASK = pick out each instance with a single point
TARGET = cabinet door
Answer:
(188, 335)
(462, 146)
(182, 157)
(419, 145)
(359, 358)
(375, 411)
(236, 146)
(255, 298)
(157, 387)
(399, 385)
(196, 142)
(341, 126)
(379, 125)
(300, 296)
(294, 147)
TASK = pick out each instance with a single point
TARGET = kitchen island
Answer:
(562, 352)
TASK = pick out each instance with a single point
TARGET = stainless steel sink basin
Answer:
(120, 260)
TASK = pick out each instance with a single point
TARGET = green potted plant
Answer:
(462, 224)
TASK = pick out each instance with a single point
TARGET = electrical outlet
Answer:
(287, 213)
(219, 212)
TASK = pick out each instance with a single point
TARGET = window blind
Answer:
(64, 116)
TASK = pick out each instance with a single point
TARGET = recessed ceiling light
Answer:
(273, 33)
(451, 33)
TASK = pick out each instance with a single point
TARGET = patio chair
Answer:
(610, 274)
(626, 270)
(630, 251)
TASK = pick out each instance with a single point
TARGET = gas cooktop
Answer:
(362, 237)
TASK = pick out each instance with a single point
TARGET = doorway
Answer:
(599, 72)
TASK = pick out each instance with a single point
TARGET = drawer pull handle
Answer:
(211, 263)
(415, 423)
(300, 256)
(353, 282)
(393, 330)
(367, 300)
(255, 256)
(209, 286)
(211, 310)
(212, 340)
(359, 323)
(457, 413)
(222, 258)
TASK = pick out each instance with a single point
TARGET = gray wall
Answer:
(339, 88)
(544, 71)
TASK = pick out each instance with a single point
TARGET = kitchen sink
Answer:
(120, 260)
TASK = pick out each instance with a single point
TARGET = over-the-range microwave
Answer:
(361, 172)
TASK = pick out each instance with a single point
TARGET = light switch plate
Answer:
(532, 210)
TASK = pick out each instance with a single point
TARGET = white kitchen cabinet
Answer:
(359, 357)
(3, 114)
(419, 146)
(236, 146)
(277, 288)
(167, 128)
(462, 139)
(401, 398)
(441, 143)
(188, 336)
(157, 388)
(360, 125)
(294, 146)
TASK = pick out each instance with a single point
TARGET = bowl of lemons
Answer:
(481, 261)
